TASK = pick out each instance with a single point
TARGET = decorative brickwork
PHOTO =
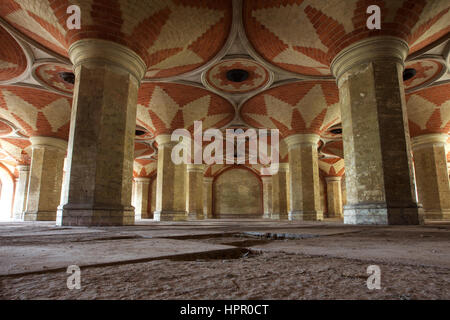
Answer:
(172, 37)
(313, 32)
(303, 107)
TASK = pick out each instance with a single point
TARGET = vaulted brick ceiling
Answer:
(429, 110)
(36, 112)
(427, 70)
(12, 59)
(144, 168)
(171, 36)
(332, 167)
(334, 148)
(15, 151)
(164, 107)
(302, 107)
(303, 36)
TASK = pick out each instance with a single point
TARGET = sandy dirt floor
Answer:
(263, 276)
(414, 263)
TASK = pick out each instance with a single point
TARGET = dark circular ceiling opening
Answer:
(68, 77)
(237, 75)
(140, 132)
(409, 74)
(336, 131)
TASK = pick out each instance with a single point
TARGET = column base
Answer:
(196, 216)
(266, 216)
(334, 216)
(279, 216)
(376, 214)
(19, 216)
(101, 216)
(40, 216)
(437, 214)
(306, 215)
(170, 216)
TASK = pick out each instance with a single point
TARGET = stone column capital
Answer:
(429, 140)
(367, 50)
(301, 139)
(195, 167)
(103, 51)
(142, 180)
(333, 179)
(37, 142)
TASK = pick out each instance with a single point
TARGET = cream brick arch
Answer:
(13, 61)
(303, 36)
(332, 167)
(164, 107)
(36, 112)
(144, 168)
(303, 107)
(171, 36)
(15, 151)
(429, 110)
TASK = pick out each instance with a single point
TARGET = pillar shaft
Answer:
(46, 174)
(379, 179)
(279, 193)
(102, 133)
(170, 184)
(194, 192)
(334, 197)
(267, 196)
(207, 197)
(433, 188)
(141, 203)
(304, 177)
(21, 192)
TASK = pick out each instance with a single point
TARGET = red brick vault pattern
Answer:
(12, 59)
(36, 112)
(144, 168)
(172, 36)
(304, 36)
(334, 148)
(427, 70)
(164, 107)
(49, 74)
(429, 110)
(332, 167)
(258, 76)
(302, 107)
(15, 151)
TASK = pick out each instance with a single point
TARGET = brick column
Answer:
(334, 197)
(141, 190)
(46, 174)
(267, 196)
(304, 177)
(207, 197)
(170, 184)
(433, 186)
(279, 193)
(194, 192)
(20, 195)
(101, 143)
(379, 179)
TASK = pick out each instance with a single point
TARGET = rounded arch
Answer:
(237, 193)
(7, 193)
